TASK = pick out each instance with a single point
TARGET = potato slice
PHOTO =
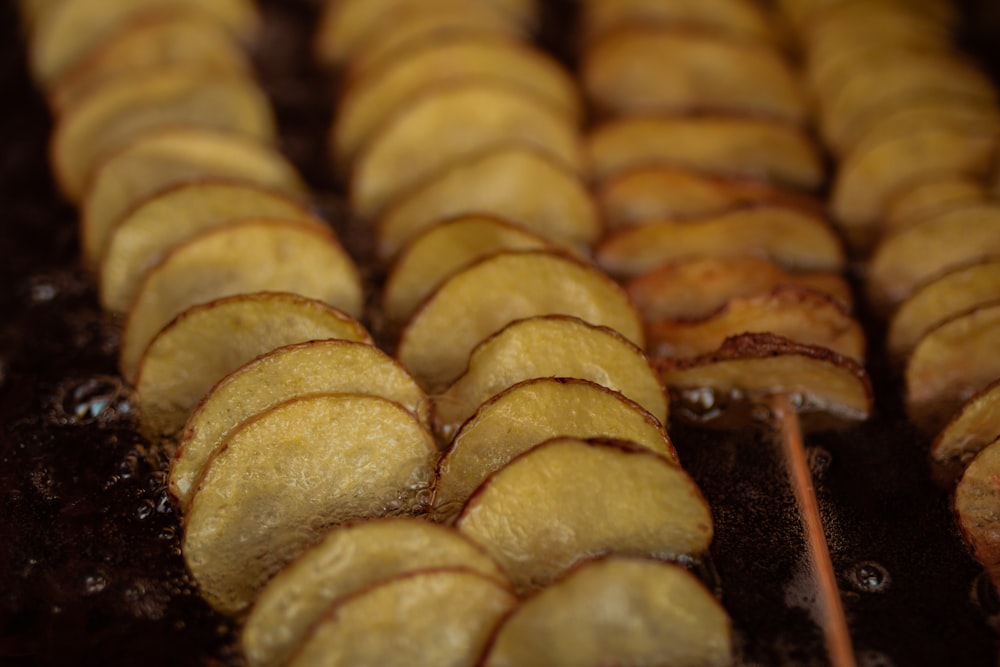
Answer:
(138, 102)
(725, 388)
(531, 412)
(438, 252)
(459, 120)
(738, 19)
(390, 624)
(723, 145)
(696, 288)
(929, 197)
(208, 342)
(653, 193)
(950, 363)
(568, 500)
(169, 218)
(793, 238)
(314, 367)
(349, 560)
(163, 158)
(802, 315)
(495, 291)
(242, 257)
(707, 73)
(662, 616)
(971, 430)
(517, 183)
(550, 346)
(288, 473)
(976, 503)
(373, 98)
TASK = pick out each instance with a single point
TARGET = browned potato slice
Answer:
(971, 430)
(288, 473)
(653, 193)
(517, 183)
(936, 301)
(793, 238)
(158, 160)
(724, 388)
(802, 315)
(733, 18)
(550, 346)
(314, 367)
(568, 500)
(33, 12)
(976, 503)
(349, 560)
(374, 97)
(724, 145)
(952, 362)
(930, 197)
(242, 257)
(495, 291)
(915, 255)
(438, 252)
(419, 619)
(458, 120)
(707, 73)
(531, 412)
(697, 288)
(173, 216)
(137, 102)
(208, 342)
(662, 616)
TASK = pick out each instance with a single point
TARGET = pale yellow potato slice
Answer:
(138, 102)
(242, 257)
(350, 559)
(567, 500)
(617, 611)
(432, 618)
(693, 289)
(550, 346)
(727, 387)
(313, 367)
(172, 216)
(707, 73)
(72, 28)
(531, 412)
(291, 471)
(802, 315)
(164, 158)
(724, 145)
(517, 183)
(653, 193)
(495, 291)
(976, 502)
(438, 252)
(208, 342)
(969, 431)
(927, 198)
(950, 363)
(795, 239)
(739, 19)
(457, 120)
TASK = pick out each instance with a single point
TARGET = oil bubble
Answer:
(146, 509)
(819, 460)
(94, 583)
(869, 577)
(984, 595)
(871, 658)
(99, 399)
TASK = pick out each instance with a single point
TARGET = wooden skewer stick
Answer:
(833, 620)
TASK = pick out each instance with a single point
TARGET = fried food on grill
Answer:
(970, 430)
(976, 502)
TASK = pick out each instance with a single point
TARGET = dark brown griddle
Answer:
(90, 568)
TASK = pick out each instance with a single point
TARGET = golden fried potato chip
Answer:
(970, 430)
(976, 501)
(738, 19)
(929, 197)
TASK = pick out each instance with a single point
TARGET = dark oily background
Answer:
(90, 565)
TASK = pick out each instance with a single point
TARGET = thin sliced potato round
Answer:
(617, 611)
(971, 430)
(550, 346)
(350, 559)
(495, 291)
(737, 19)
(531, 412)
(135, 103)
(239, 258)
(516, 183)
(292, 471)
(208, 342)
(929, 197)
(567, 500)
(977, 497)
(438, 252)
(452, 122)
(418, 619)
(313, 367)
